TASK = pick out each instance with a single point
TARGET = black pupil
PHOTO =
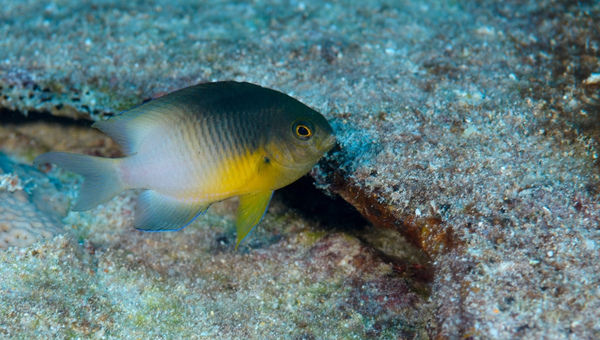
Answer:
(303, 131)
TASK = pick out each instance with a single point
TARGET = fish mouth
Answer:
(329, 143)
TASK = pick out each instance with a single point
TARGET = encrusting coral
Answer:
(29, 209)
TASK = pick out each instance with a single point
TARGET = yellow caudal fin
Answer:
(156, 212)
(100, 183)
(251, 210)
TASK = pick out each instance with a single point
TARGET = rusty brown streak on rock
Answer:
(429, 233)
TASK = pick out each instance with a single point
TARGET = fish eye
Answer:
(302, 130)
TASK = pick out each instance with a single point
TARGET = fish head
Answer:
(301, 137)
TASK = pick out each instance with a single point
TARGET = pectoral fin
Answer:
(156, 212)
(251, 210)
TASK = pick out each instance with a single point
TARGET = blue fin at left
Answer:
(156, 212)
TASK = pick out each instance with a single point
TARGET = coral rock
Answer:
(29, 209)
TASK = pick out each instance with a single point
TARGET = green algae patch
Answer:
(310, 237)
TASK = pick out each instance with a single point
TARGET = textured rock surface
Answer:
(291, 281)
(30, 206)
(470, 128)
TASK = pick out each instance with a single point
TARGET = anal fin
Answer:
(250, 212)
(157, 212)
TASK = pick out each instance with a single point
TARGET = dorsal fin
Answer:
(131, 127)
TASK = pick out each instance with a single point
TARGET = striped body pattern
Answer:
(201, 145)
(191, 158)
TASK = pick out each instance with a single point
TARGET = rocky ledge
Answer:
(468, 139)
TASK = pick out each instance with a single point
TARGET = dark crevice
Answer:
(332, 213)
(16, 117)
